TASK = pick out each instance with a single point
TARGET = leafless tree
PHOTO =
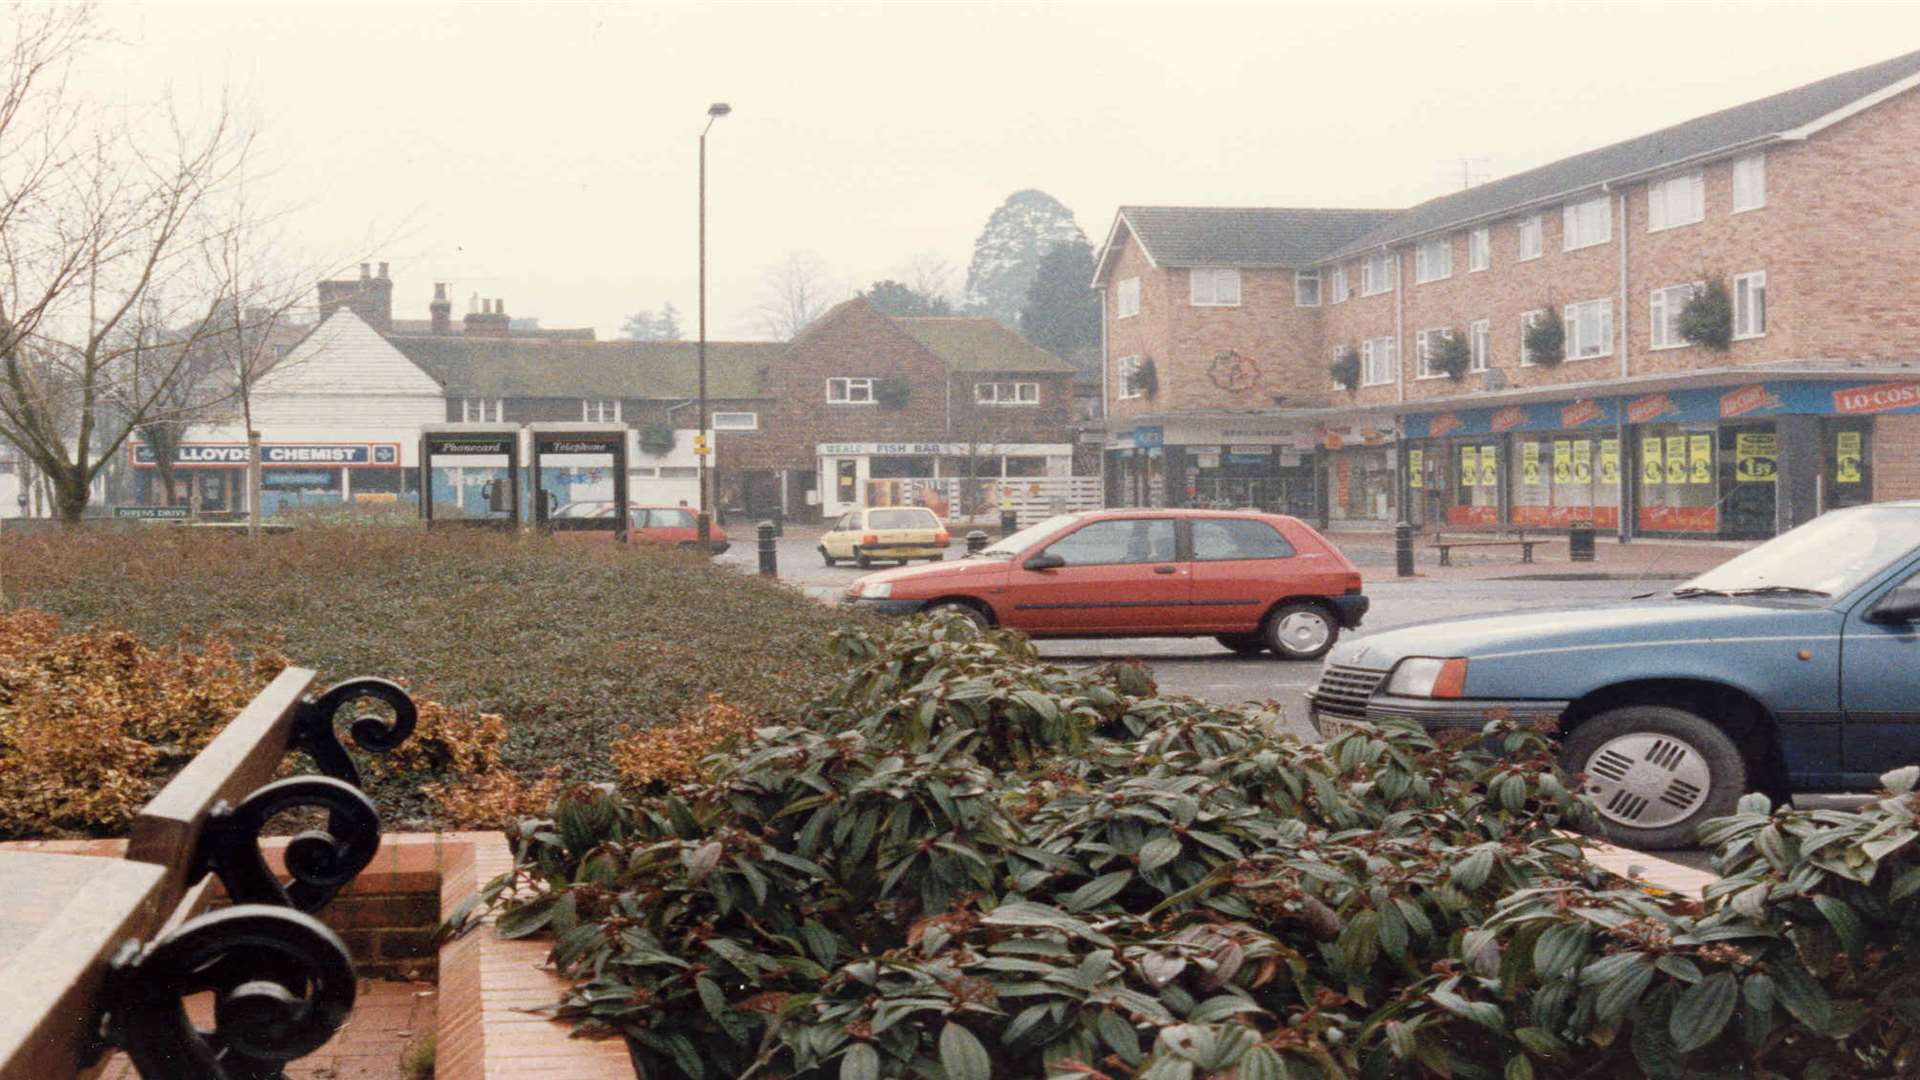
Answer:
(930, 275)
(798, 290)
(106, 289)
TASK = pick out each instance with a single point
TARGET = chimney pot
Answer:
(439, 290)
(383, 271)
(364, 268)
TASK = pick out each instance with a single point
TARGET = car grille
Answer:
(1343, 691)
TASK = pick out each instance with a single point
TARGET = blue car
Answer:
(1792, 667)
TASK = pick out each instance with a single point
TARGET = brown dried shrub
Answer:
(671, 754)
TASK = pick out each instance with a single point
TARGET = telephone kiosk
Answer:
(579, 478)
(470, 475)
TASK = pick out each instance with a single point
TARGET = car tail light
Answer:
(869, 538)
(941, 537)
(1353, 584)
(1452, 681)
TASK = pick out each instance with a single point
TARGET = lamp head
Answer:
(719, 109)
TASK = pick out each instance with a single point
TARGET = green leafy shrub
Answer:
(1707, 317)
(658, 438)
(892, 393)
(1345, 369)
(1546, 336)
(1452, 355)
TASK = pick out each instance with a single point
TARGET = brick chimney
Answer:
(370, 297)
(441, 310)
(490, 321)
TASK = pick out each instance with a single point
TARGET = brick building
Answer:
(1222, 324)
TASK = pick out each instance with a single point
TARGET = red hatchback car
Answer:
(675, 526)
(1254, 582)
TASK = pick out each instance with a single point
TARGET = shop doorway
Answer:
(1846, 465)
(1749, 481)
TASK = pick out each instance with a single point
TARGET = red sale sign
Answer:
(1880, 398)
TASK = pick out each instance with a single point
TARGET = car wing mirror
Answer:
(1899, 607)
(1045, 562)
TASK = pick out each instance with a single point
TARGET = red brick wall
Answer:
(1896, 457)
(1143, 335)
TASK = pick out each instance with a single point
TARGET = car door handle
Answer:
(1165, 570)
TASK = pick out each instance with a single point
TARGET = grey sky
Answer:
(545, 153)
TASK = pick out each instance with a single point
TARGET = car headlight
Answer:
(879, 591)
(1428, 677)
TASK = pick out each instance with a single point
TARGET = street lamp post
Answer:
(701, 449)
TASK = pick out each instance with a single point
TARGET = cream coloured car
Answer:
(899, 533)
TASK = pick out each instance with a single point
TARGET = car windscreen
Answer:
(908, 517)
(1017, 542)
(1832, 554)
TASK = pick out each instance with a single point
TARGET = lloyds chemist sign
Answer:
(276, 455)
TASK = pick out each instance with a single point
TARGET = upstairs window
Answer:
(1750, 182)
(1527, 322)
(736, 421)
(482, 411)
(1433, 260)
(1376, 273)
(1214, 286)
(1529, 229)
(1587, 223)
(1424, 344)
(850, 391)
(1378, 358)
(1127, 369)
(1480, 336)
(1340, 291)
(1665, 308)
(1675, 201)
(597, 411)
(1750, 305)
(1479, 249)
(1126, 298)
(1306, 288)
(1006, 393)
(1589, 329)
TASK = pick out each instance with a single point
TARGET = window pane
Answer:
(1216, 539)
(1122, 541)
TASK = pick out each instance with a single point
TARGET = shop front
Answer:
(1233, 462)
(1359, 474)
(213, 475)
(949, 478)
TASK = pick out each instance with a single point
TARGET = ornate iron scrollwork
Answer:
(314, 725)
(318, 861)
(282, 984)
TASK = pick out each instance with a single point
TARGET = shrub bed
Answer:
(568, 643)
(964, 863)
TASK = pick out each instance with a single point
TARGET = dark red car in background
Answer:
(1254, 582)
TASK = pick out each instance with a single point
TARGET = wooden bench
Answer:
(98, 953)
(1519, 539)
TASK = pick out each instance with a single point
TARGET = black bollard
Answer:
(769, 566)
(1580, 542)
(976, 542)
(1403, 550)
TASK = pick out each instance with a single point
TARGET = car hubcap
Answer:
(1303, 631)
(1647, 780)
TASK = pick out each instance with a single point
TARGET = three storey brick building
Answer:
(1223, 327)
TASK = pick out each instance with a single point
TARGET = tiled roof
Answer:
(522, 368)
(1726, 131)
(1245, 236)
(966, 343)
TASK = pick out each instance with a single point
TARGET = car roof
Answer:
(1179, 512)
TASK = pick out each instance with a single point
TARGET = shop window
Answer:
(1476, 498)
(1559, 479)
(1677, 480)
(679, 472)
(1026, 467)
(1849, 464)
(1224, 539)
(900, 467)
(378, 481)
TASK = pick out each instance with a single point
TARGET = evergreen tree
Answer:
(1062, 312)
(644, 325)
(1007, 254)
(894, 298)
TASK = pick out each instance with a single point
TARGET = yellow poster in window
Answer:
(1562, 462)
(1489, 467)
(1701, 450)
(1530, 463)
(1846, 457)
(1469, 466)
(1583, 462)
(1755, 457)
(1610, 461)
(1651, 471)
(1676, 459)
(1415, 459)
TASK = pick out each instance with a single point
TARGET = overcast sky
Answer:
(546, 153)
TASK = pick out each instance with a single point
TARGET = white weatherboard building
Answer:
(339, 417)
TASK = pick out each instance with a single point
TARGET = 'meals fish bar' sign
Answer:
(274, 455)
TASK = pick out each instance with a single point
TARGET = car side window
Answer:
(845, 524)
(1120, 541)
(1219, 539)
(639, 519)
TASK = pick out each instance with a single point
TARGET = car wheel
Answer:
(861, 560)
(826, 558)
(937, 558)
(955, 607)
(1243, 644)
(1300, 631)
(1655, 773)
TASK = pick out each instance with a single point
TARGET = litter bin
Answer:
(1580, 541)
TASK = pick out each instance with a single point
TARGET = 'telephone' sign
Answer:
(275, 455)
